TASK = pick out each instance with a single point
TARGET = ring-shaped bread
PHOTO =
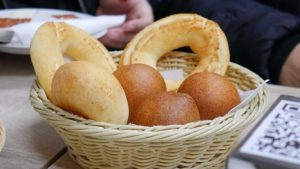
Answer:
(203, 36)
(54, 40)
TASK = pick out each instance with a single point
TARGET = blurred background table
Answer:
(30, 141)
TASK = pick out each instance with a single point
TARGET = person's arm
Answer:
(290, 71)
(253, 30)
(138, 15)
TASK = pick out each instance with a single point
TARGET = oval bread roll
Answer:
(90, 91)
(53, 40)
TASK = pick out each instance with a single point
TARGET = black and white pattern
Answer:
(278, 135)
(282, 137)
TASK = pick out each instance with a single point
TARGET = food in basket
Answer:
(53, 40)
(214, 94)
(202, 144)
(90, 91)
(139, 81)
(166, 108)
(203, 36)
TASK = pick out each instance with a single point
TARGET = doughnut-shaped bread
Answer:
(203, 36)
(52, 41)
(89, 90)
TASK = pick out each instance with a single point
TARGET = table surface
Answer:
(30, 141)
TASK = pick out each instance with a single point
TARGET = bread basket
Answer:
(203, 144)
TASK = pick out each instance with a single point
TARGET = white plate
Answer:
(15, 47)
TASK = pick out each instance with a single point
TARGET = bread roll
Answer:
(53, 40)
(214, 94)
(166, 108)
(90, 91)
(139, 81)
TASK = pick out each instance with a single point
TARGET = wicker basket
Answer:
(2, 135)
(203, 144)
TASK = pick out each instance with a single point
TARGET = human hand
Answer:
(138, 15)
(290, 71)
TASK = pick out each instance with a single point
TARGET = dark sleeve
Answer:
(255, 32)
(291, 6)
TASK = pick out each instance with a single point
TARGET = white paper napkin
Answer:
(96, 26)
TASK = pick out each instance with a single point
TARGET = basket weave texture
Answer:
(204, 144)
(2, 135)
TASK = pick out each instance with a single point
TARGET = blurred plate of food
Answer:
(12, 17)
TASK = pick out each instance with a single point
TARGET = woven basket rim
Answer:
(218, 124)
(2, 135)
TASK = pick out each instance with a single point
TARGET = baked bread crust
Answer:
(203, 36)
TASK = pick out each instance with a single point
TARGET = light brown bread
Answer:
(53, 40)
(91, 91)
(203, 36)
